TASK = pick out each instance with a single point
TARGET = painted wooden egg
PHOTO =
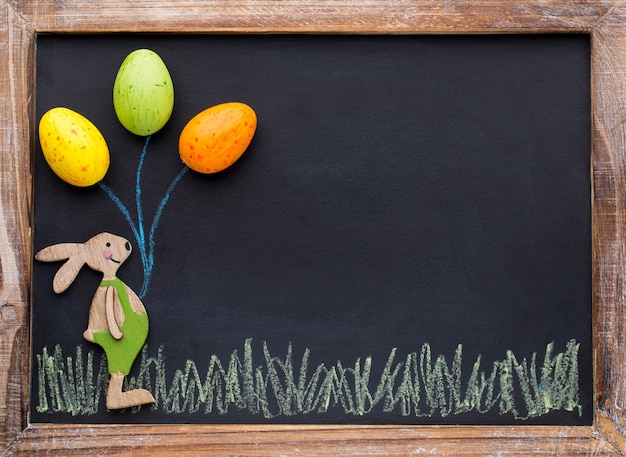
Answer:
(73, 147)
(143, 93)
(215, 138)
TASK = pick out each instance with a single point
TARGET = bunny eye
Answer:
(108, 245)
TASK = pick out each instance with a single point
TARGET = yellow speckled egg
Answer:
(73, 147)
(215, 138)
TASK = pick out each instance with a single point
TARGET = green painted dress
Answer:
(122, 353)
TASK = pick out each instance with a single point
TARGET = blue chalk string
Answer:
(122, 209)
(153, 227)
(147, 253)
(142, 236)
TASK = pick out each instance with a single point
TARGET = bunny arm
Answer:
(98, 320)
(114, 313)
(135, 301)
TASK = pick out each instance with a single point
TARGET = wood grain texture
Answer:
(609, 203)
(312, 441)
(16, 55)
(20, 20)
(361, 16)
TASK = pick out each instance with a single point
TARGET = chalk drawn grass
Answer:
(418, 384)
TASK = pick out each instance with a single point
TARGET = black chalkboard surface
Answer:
(407, 239)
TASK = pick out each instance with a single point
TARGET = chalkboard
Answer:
(407, 240)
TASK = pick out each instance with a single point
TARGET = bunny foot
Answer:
(116, 399)
(129, 399)
(88, 335)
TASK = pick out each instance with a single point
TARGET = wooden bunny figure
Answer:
(117, 319)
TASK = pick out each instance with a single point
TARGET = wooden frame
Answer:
(604, 20)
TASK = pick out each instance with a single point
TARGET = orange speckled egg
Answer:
(73, 147)
(215, 138)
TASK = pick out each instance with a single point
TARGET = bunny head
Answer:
(107, 252)
(104, 252)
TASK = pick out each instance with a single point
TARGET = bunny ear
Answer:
(67, 273)
(57, 252)
(69, 270)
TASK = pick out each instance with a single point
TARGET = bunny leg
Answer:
(116, 399)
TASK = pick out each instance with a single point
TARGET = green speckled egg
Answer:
(143, 93)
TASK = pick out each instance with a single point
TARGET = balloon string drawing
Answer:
(146, 248)
(76, 151)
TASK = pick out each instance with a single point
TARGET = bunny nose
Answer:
(127, 245)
